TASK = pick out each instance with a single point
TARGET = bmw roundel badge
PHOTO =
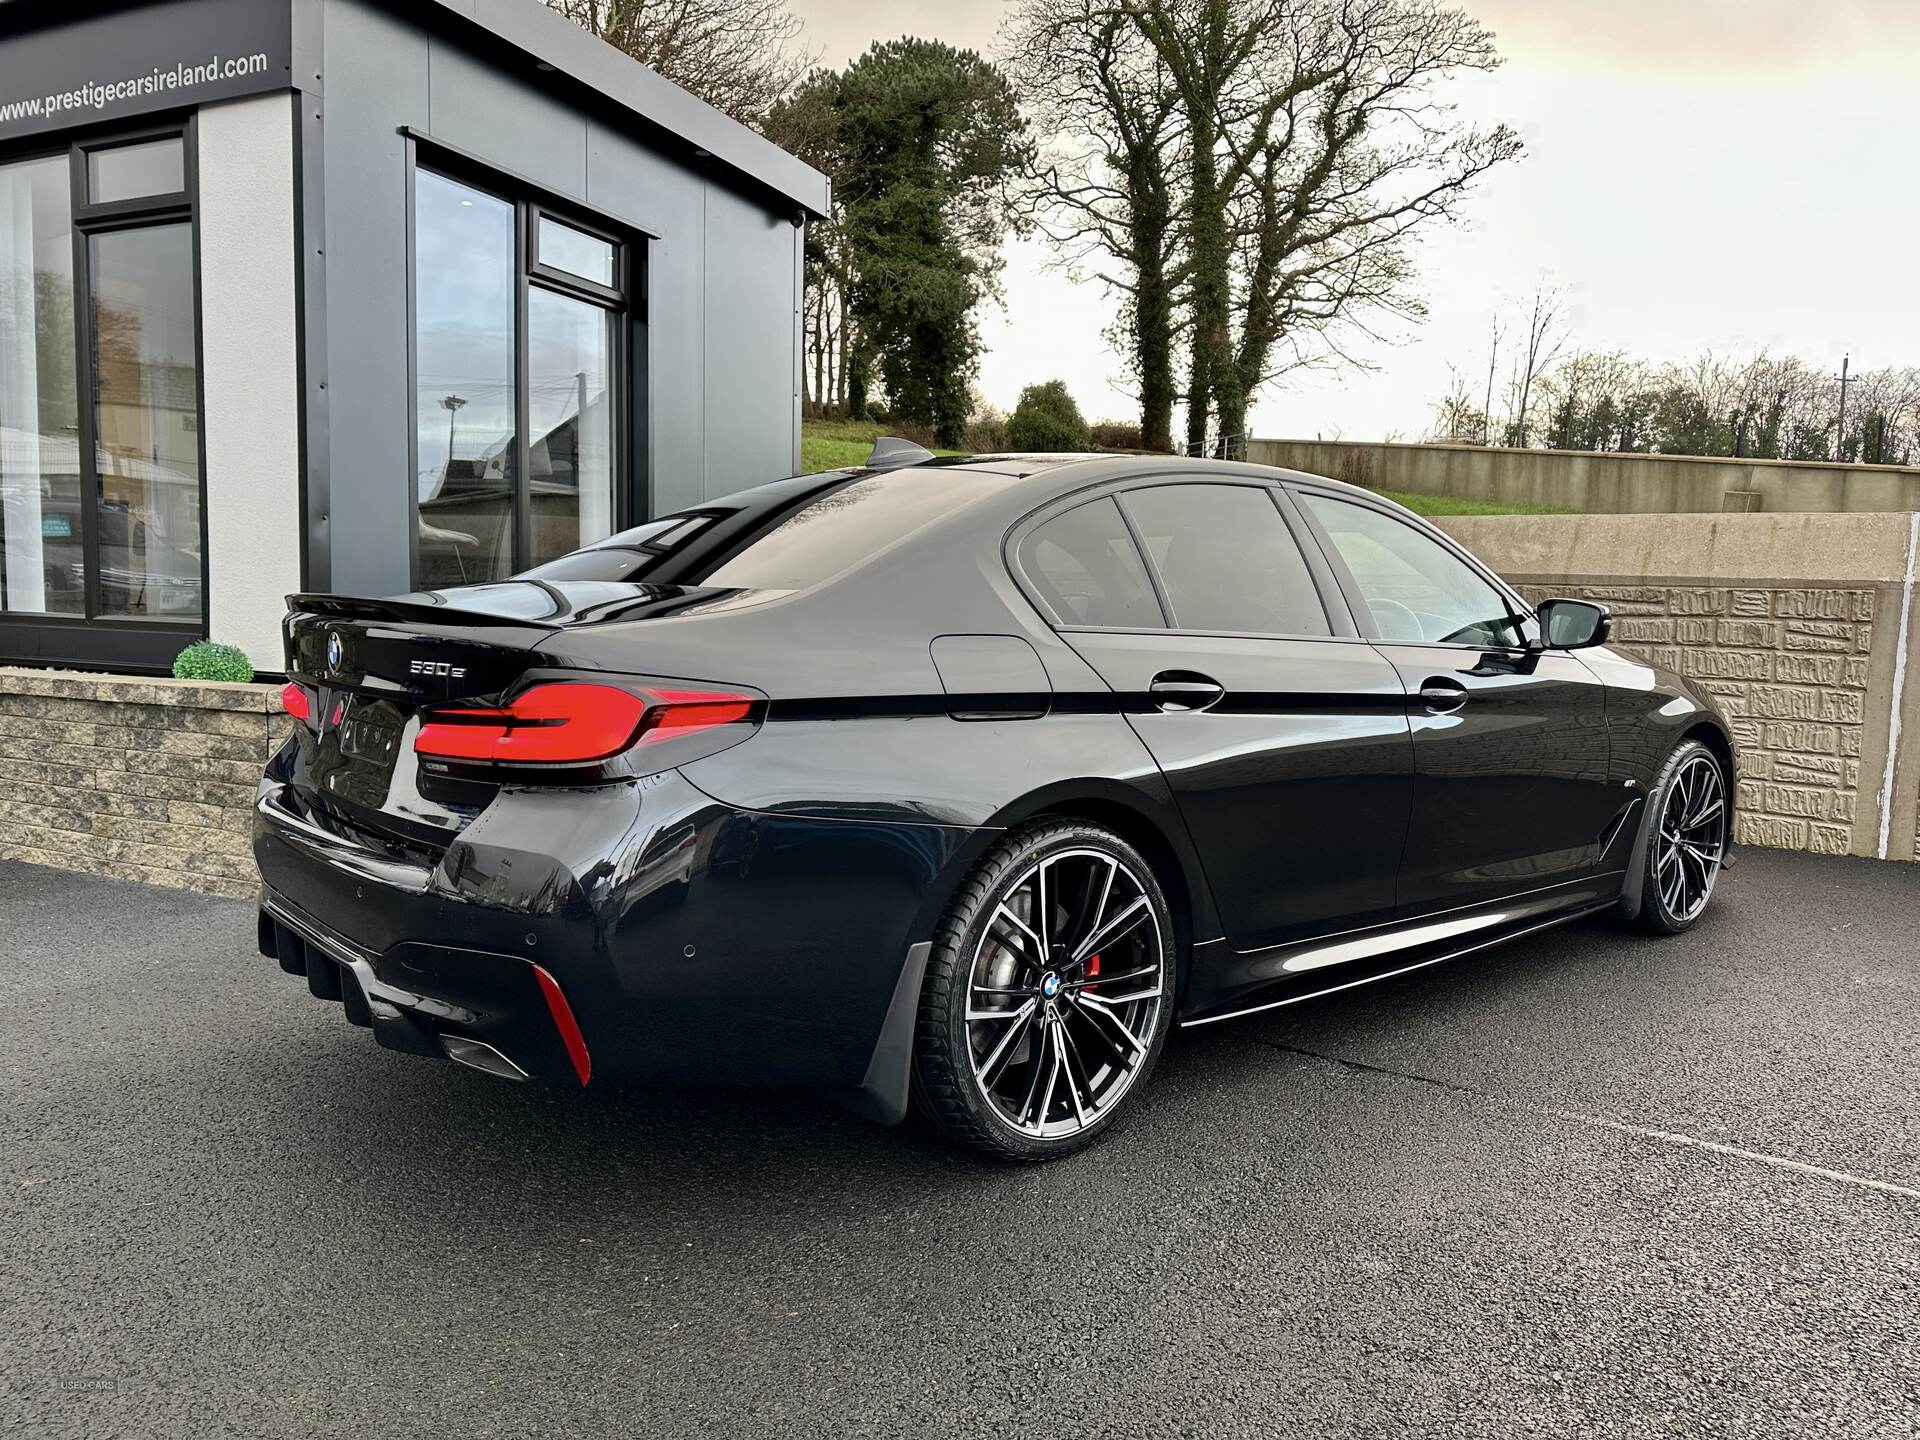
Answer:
(336, 650)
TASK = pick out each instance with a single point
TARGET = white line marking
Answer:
(1899, 686)
(1620, 1127)
(1671, 1137)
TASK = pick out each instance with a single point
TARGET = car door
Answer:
(1512, 788)
(1282, 734)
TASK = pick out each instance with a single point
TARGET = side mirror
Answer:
(1573, 624)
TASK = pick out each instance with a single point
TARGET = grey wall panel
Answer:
(477, 107)
(376, 81)
(749, 351)
(720, 281)
(630, 182)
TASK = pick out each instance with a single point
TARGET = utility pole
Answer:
(452, 405)
(1840, 436)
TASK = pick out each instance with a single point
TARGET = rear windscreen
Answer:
(837, 529)
(771, 542)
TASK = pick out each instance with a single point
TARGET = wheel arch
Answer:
(1716, 739)
(1150, 824)
(1148, 821)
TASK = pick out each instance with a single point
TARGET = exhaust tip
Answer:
(478, 1055)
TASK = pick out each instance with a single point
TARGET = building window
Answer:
(520, 343)
(100, 467)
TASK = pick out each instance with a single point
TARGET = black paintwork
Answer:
(741, 906)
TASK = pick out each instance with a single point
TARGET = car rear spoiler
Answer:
(409, 612)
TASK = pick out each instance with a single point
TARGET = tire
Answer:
(995, 1083)
(1687, 844)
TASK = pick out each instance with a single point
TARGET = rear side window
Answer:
(1089, 572)
(1227, 560)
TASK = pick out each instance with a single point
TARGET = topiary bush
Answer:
(1046, 419)
(204, 660)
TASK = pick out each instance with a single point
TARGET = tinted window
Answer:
(146, 409)
(840, 527)
(1088, 570)
(1417, 589)
(622, 556)
(1227, 560)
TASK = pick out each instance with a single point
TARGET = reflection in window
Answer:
(1089, 571)
(464, 278)
(1415, 588)
(564, 248)
(146, 412)
(41, 560)
(130, 172)
(570, 422)
(1226, 560)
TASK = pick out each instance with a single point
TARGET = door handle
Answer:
(1442, 696)
(1177, 690)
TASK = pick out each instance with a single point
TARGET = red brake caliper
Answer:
(1093, 969)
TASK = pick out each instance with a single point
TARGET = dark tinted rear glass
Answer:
(839, 528)
(785, 536)
(1088, 570)
(1227, 560)
(622, 556)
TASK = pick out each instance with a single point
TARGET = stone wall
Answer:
(138, 779)
(1793, 622)
(1601, 483)
(1789, 667)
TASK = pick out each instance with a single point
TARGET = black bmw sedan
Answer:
(953, 786)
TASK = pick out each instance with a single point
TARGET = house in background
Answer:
(361, 295)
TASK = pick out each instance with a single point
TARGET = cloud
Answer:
(1708, 41)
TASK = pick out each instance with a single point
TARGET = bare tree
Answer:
(1493, 362)
(1456, 419)
(1316, 147)
(737, 55)
(1546, 333)
(1346, 175)
(1104, 185)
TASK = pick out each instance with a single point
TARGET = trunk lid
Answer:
(370, 668)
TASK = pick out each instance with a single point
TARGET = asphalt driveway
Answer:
(1588, 1183)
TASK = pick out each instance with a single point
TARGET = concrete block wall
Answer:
(147, 780)
(1794, 622)
(1596, 483)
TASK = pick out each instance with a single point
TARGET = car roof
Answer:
(1068, 471)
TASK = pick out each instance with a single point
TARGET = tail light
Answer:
(575, 724)
(296, 702)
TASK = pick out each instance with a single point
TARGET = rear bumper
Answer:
(494, 1013)
(687, 941)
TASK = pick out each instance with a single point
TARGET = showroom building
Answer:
(361, 295)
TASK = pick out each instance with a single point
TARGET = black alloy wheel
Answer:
(1688, 843)
(1049, 993)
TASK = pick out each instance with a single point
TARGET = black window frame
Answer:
(124, 642)
(626, 380)
(1332, 597)
(1518, 610)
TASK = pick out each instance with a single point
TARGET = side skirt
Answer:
(1403, 961)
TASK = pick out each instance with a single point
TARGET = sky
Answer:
(1724, 175)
